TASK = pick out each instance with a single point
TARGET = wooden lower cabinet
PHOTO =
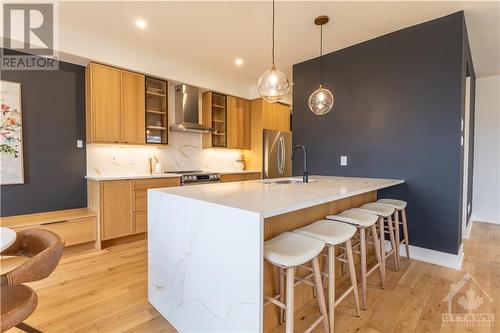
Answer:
(116, 205)
(121, 205)
(141, 222)
(238, 177)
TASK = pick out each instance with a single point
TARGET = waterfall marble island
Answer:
(205, 246)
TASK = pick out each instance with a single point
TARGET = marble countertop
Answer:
(274, 199)
(161, 175)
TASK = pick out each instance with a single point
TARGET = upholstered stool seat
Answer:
(363, 221)
(334, 234)
(287, 251)
(376, 208)
(290, 249)
(328, 232)
(355, 217)
(18, 303)
(396, 204)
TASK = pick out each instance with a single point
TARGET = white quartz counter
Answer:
(274, 199)
(161, 175)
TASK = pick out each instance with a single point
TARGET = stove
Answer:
(197, 177)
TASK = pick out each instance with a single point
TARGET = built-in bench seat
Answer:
(74, 226)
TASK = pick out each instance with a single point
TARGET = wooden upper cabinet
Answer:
(232, 122)
(276, 116)
(133, 108)
(238, 123)
(105, 101)
(116, 209)
(115, 105)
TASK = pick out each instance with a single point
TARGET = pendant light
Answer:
(273, 85)
(321, 100)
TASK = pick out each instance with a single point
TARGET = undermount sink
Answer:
(285, 181)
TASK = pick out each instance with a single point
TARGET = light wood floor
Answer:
(106, 291)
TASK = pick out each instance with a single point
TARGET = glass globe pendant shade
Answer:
(273, 85)
(321, 101)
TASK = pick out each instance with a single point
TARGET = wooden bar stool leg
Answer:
(362, 240)
(378, 255)
(381, 239)
(405, 233)
(398, 235)
(290, 286)
(331, 287)
(393, 242)
(281, 282)
(27, 328)
(320, 294)
(352, 273)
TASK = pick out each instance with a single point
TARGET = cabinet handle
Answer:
(56, 222)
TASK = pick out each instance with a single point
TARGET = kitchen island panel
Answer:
(204, 264)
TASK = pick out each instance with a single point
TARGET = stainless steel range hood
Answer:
(187, 111)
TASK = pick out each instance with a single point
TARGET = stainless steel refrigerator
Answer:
(277, 159)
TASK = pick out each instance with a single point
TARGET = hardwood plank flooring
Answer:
(106, 291)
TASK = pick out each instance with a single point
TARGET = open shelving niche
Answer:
(156, 111)
(219, 120)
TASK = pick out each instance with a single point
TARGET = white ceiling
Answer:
(197, 42)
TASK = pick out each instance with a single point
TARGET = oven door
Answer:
(201, 182)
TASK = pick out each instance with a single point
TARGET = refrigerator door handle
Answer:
(281, 165)
(278, 156)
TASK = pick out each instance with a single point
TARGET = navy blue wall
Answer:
(53, 107)
(397, 114)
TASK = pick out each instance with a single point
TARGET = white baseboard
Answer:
(478, 218)
(444, 259)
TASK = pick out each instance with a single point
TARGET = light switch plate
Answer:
(79, 143)
(343, 160)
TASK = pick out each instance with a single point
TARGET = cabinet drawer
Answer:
(141, 222)
(140, 200)
(237, 177)
(143, 184)
(72, 232)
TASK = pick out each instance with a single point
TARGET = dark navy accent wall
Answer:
(53, 106)
(397, 114)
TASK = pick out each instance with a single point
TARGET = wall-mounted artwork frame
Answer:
(11, 134)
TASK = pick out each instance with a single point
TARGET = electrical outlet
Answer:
(343, 160)
(79, 143)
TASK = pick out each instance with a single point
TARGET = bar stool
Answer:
(287, 251)
(385, 214)
(400, 208)
(334, 234)
(363, 222)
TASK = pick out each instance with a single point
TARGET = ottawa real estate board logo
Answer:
(29, 36)
(466, 303)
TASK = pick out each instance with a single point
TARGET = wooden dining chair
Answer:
(18, 301)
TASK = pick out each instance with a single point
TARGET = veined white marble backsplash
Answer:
(183, 152)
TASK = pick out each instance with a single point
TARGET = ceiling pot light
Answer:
(141, 24)
(238, 62)
(321, 100)
(273, 85)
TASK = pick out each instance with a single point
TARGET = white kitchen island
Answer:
(205, 245)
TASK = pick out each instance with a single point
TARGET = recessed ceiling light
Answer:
(140, 23)
(238, 62)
